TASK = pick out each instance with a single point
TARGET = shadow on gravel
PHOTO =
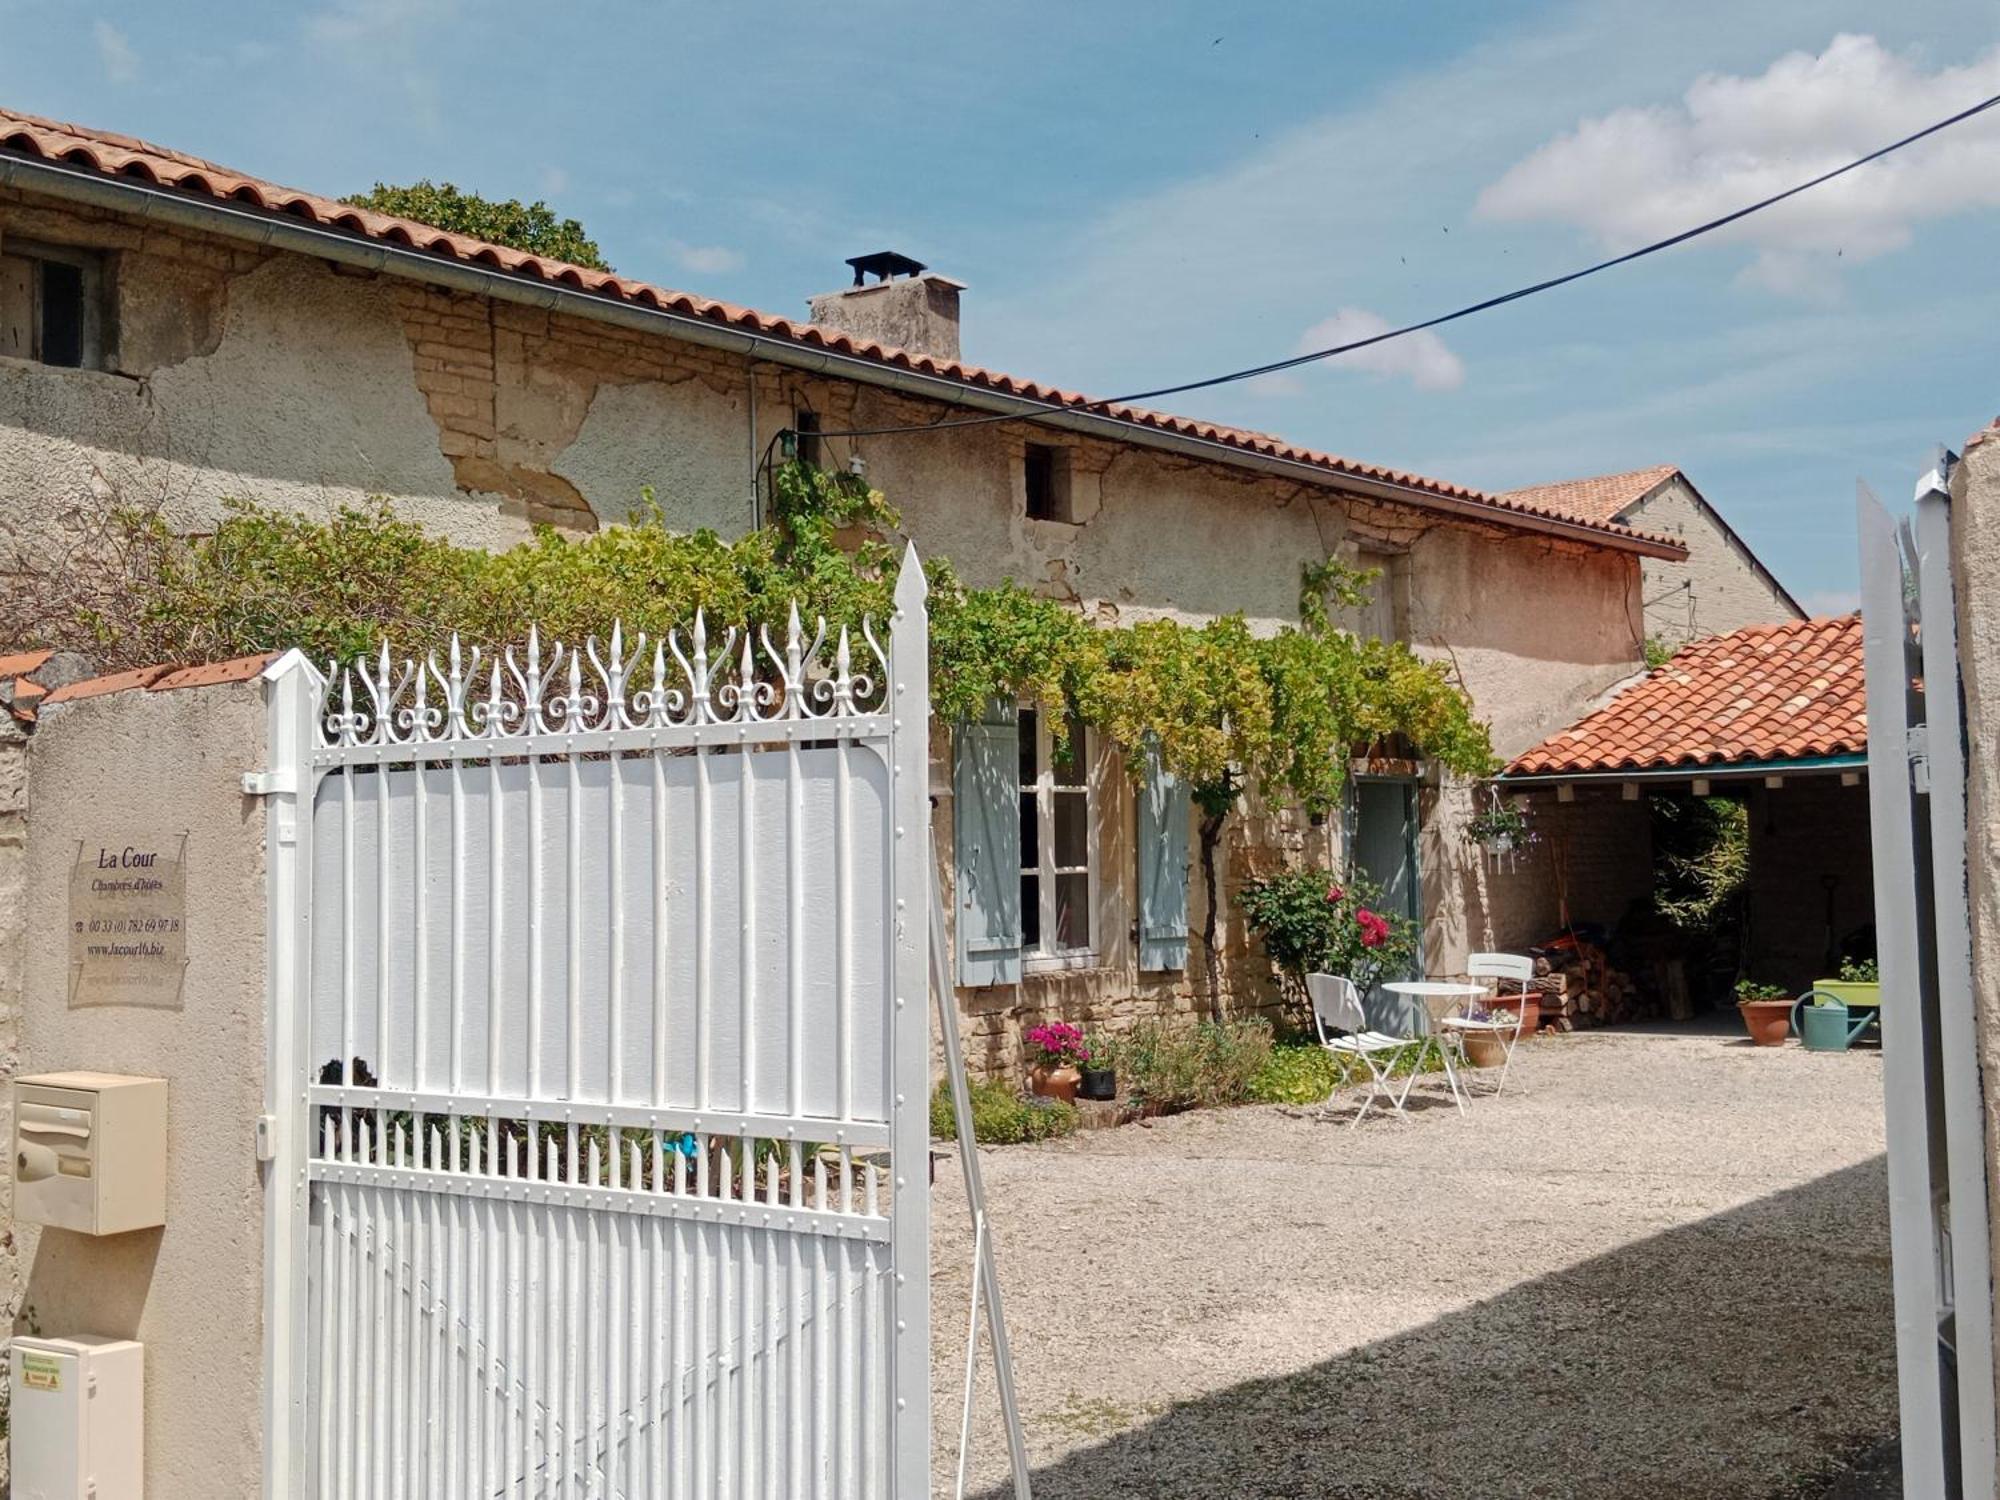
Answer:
(1738, 1358)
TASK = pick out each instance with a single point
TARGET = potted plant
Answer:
(1501, 827)
(1766, 1010)
(1483, 1049)
(1099, 1069)
(1058, 1053)
(1859, 985)
(1529, 1005)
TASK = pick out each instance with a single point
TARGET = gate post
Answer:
(293, 694)
(908, 703)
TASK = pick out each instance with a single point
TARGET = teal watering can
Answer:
(1826, 1024)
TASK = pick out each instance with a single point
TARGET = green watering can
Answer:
(1825, 1023)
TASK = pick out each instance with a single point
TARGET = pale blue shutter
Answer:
(1163, 867)
(986, 844)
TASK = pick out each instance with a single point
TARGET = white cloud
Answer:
(706, 260)
(1639, 174)
(114, 51)
(1420, 358)
(360, 23)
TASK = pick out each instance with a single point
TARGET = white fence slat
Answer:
(1964, 1107)
(1911, 1167)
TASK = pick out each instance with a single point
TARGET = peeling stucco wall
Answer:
(284, 380)
(1720, 587)
(1975, 563)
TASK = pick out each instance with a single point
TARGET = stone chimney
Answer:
(903, 307)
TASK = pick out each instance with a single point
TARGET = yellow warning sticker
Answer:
(41, 1372)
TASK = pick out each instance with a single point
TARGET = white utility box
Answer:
(90, 1151)
(78, 1418)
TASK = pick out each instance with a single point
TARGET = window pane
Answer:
(1069, 766)
(1031, 912)
(62, 314)
(1031, 833)
(1028, 748)
(1072, 911)
(1072, 829)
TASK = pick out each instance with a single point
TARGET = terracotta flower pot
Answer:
(1054, 1082)
(1530, 1007)
(1483, 1049)
(1769, 1022)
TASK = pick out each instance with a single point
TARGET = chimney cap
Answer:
(884, 265)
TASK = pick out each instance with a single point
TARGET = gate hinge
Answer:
(269, 783)
(1919, 749)
(267, 1137)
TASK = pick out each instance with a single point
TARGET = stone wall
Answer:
(274, 377)
(1721, 587)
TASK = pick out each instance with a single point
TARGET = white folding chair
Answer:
(1343, 1030)
(1507, 968)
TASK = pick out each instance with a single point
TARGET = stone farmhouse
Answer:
(177, 334)
(1720, 586)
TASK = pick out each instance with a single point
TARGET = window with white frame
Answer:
(1058, 845)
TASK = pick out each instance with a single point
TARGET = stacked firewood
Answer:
(1580, 987)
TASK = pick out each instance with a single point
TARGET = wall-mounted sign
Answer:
(128, 924)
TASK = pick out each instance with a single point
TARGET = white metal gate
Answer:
(608, 1156)
(1930, 1051)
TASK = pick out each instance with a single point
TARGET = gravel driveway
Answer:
(1657, 1267)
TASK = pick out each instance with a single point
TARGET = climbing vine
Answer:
(1223, 707)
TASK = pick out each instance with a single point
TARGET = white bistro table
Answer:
(1439, 998)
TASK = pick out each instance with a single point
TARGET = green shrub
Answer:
(1164, 1067)
(1000, 1116)
(1295, 1073)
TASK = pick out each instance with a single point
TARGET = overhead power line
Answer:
(1276, 366)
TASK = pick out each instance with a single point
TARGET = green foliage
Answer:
(532, 227)
(1295, 1073)
(1164, 1066)
(1001, 1117)
(1310, 922)
(1751, 989)
(1226, 708)
(1860, 971)
(1701, 860)
(1658, 652)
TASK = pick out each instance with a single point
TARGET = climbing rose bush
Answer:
(1314, 922)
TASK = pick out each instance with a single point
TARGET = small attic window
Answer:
(52, 305)
(1045, 474)
(806, 425)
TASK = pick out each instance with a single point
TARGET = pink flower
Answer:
(1335, 895)
(1374, 930)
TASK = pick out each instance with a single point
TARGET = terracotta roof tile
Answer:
(121, 156)
(23, 663)
(1772, 692)
(215, 673)
(116, 682)
(1601, 498)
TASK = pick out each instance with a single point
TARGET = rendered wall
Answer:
(1718, 589)
(1975, 537)
(277, 378)
(136, 767)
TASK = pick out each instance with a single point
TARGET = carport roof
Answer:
(1761, 697)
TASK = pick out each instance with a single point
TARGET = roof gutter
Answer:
(1724, 771)
(242, 221)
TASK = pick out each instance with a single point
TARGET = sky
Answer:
(1139, 194)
